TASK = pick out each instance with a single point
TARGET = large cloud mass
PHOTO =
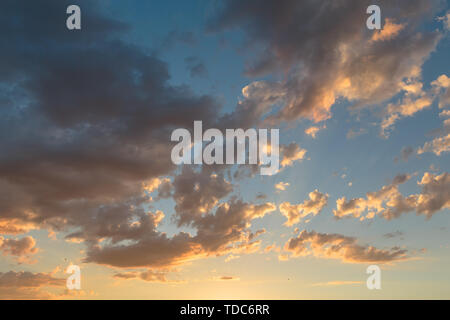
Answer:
(326, 52)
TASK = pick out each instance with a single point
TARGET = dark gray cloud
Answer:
(86, 117)
(225, 231)
(391, 204)
(85, 123)
(197, 192)
(29, 285)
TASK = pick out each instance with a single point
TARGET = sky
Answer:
(86, 176)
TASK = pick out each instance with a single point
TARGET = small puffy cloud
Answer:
(231, 257)
(437, 146)
(339, 62)
(441, 87)
(200, 199)
(223, 232)
(15, 226)
(444, 113)
(401, 178)
(390, 203)
(446, 20)
(291, 153)
(281, 186)
(313, 130)
(415, 99)
(163, 185)
(261, 196)
(22, 249)
(294, 213)
(352, 207)
(406, 107)
(337, 246)
(435, 193)
(394, 234)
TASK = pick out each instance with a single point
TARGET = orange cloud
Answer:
(336, 246)
(390, 30)
(15, 226)
(28, 285)
(437, 145)
(291, 153)
(294, 213)
(390, 203)
(21, 249)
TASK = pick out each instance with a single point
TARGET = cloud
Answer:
(441, 86)
(90, 150)
(281, 186)
(389, 203)
(148, 276)
(291, 153)
(28, 285)
(322, 61)
(437, 146)
(216, 232)
(85, 164)
(414, 100)
(22, 249)
(313, 130)
(225, 231)
(294, 213)
(390, 31)
(231, 257)
(197, 192)
(394, 234)
(336, 246)
(440, 144)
